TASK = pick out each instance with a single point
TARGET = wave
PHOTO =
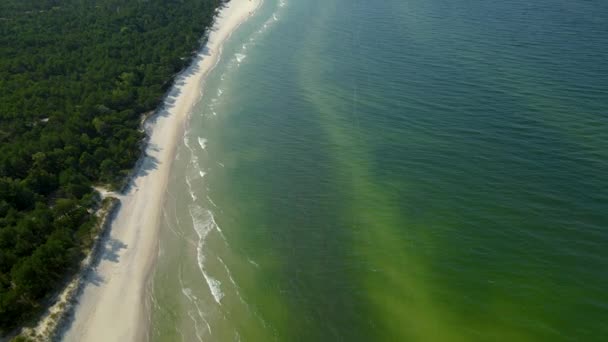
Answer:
(195, 168)
(233, 282)
(203, 143)
(253, 263)
(186, 143)
(187, 292)
(203, 223)
(170, 226)
(190, 191)
(240, 57)
(215, 287)
(211, 201)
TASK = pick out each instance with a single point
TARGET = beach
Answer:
(112, 305)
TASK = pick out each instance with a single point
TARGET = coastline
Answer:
(112, 304)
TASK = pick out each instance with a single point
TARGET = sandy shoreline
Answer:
(112, 304)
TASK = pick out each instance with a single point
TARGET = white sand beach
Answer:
(112, 306)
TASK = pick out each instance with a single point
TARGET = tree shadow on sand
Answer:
(111, 250)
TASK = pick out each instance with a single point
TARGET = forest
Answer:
(76, 76)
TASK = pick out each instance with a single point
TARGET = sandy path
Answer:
(112, 304)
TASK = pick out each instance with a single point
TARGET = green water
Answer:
(395, 170)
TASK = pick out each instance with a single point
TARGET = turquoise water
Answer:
(396, 170)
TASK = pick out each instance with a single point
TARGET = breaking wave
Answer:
(204, 223)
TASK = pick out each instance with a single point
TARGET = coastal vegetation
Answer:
(75, 78)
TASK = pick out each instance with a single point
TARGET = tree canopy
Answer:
(75, 78)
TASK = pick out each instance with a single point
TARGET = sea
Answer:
(394, 170)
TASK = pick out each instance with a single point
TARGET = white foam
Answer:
(253, 263)
(194, 300)
(274, 18)
(203, 223)
(240, 57)
(170, 226)
(186, 141)
(216, 225)
(196, 328)
(192, 195)
(193, 157)
(188, 293)
(211, 201)
(202, 173)
(215, 286)
(194, 162)
(202, 142)
(236, 287)
(154, 302)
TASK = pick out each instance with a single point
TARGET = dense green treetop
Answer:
(75, 78)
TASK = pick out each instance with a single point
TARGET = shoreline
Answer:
(113, 305)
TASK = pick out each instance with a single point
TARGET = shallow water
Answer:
(395, 170)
